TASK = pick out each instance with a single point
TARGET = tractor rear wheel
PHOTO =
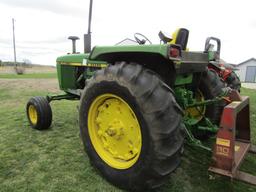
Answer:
(233, 81)
(131, 127)
(39, 113)
(211, 87)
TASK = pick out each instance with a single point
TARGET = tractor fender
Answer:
(156, 59)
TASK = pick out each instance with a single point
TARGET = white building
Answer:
(247, 70)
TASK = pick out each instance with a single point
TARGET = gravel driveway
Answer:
(249, 85)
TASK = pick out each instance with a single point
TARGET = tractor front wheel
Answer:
(39, 113)
(131, 127)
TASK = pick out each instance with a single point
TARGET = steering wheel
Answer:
(141, 39)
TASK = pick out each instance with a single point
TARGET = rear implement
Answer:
(233, 140)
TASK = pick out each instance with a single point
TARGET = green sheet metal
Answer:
(66, 76)
(99, 50)
(72, 58)
(183, 79)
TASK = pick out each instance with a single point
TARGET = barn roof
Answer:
(251, 59)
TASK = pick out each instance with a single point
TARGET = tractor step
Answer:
(233, 140)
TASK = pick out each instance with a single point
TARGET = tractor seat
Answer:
(180, 37)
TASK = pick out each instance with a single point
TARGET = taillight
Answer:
(174, 52)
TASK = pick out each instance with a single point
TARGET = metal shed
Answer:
(247, 70)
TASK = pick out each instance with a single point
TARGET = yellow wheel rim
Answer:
(114, 131)
(32, 113)
(197, 112)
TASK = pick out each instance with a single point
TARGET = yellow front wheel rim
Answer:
(114, 131)
(32, 113)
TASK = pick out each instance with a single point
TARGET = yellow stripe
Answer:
(73, 64)
(100, 65)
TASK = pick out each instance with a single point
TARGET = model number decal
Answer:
(224, 151)
(100, 65)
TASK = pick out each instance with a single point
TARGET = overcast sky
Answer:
(42, 26)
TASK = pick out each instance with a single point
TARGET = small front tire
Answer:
(39, 113)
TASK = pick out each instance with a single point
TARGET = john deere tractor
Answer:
(137, 104)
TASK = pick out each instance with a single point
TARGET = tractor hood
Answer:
(72, 59)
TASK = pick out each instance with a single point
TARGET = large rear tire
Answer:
(131, 127)
(233, 81)
(211, 87)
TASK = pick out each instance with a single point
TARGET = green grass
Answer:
(54, 160)
(29, 76)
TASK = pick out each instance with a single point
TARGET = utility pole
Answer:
(14, 47)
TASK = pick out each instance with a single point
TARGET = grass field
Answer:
(54, 160)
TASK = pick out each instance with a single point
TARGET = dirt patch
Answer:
(49, 85)
(34, 69)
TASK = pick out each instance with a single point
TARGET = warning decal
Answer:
(223, 142)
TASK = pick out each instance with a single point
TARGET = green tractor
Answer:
(137, 104)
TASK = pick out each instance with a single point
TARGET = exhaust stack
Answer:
(87, 37)
(73, 38)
